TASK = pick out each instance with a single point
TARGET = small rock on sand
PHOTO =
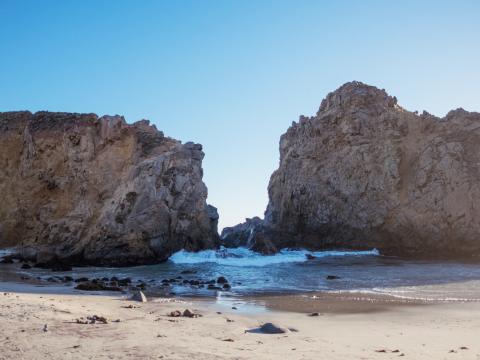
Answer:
(186, 313)
(176, 313)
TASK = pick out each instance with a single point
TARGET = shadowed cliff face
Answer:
(366, 173)
(92, 190)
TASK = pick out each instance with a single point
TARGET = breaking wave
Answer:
(245, 257)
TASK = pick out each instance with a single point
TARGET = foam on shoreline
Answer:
(244, 257)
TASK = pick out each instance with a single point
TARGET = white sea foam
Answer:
(5, 252)
(449, 292)
(246, 257)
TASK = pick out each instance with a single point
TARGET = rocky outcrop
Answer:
(364, 173)
(251, 234)
(241, 235)
(85, 189)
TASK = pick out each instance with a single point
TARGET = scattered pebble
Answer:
(92, 320)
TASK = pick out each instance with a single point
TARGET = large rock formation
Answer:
(366, 173)
(90, 190)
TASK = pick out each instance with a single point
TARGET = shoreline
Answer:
(344, 329)
(321, 302)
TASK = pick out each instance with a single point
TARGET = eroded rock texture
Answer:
(90, 190)
(365, 173)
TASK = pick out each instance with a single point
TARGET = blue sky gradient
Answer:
(233, 75)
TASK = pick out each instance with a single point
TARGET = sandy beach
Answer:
(44, 326)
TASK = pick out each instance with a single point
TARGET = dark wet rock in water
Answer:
(333, 277)
(226, 287)
(82, 279)
(142, 286)
(213, 287)
(139, 296)
(53, 263)
(67, 279)
(124, 282)
(222, 280)
(26, 266)
(6, 260)
(310, 257)
(96, 286)
(188, 272)
(61, 267)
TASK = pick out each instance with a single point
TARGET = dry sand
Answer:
(442, 331)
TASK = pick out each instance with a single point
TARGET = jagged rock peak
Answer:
(357, 95)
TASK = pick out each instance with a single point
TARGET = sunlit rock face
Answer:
(364, 172)
(95, 190)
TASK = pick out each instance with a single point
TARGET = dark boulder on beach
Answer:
(365, 173)
(87, 190)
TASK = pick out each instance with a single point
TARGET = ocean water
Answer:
(289, 271)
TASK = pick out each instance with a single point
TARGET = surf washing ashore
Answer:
(333, 304)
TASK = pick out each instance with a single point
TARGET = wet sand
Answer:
(346, 328)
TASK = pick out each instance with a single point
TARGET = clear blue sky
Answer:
(233, 75)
